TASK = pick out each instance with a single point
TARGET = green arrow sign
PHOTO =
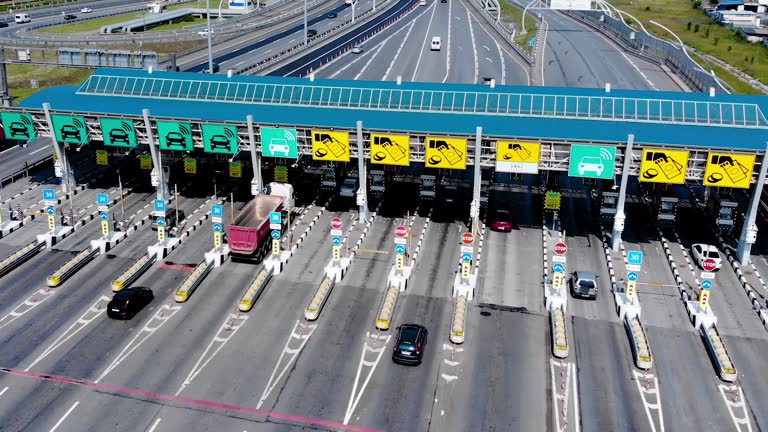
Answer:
(592, 161)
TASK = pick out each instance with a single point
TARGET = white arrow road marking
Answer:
(161, 317)
(648, 393)
(226, 331)
(486, 48)
(449, 378)
(376, 352)
(94, 312)
(399, 49)
(27, 305)
(293, 354)
(489, 59)
(735, 403)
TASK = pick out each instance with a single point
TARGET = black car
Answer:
(3, 24)
(410, 344)
(311, 32)
(128, 302)
(69, 17)
(332, 15)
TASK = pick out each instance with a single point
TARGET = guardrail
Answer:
(129, 276)
(19, 257)
(254, 290)
(318, 300)
(192, 281)
(387, 308)
(559, 332)
(458, 324)
(637, 338)
(71, 267)
(718, 354)
(23, 172)
(503, 31)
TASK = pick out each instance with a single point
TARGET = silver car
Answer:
(348, 188)
(584, 285)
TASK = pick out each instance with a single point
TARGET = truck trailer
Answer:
(249, 235)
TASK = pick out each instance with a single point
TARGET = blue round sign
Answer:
(466, 257)
(558, 268)
(706, 284)
(50, 211)
(632, 276)
(336, 241)
(161, 221)
(275, 234)
(400, 249)
(104, 216)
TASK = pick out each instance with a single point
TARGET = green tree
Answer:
(715, 40)
(689, 26)
(706, 33)
(696, 28)
(729, 48)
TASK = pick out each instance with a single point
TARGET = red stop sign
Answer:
(401, 231)
(467, 238)
(708, 264)
(336, 223)
(560, 248)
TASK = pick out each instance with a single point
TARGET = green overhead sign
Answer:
(118, 133)
(174, 136)
(18, 126)
(70, 129)
(592, 161)
(219, 138)
(279, 142)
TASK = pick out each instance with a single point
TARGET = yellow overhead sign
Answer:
(330, 146)
(517, 157)
(448, 153)
(390, 149)
(729, 170)
(663, 166)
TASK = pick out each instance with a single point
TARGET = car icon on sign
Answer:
(219, 142)
(18, 129)
(70, 132)
(174, 139)
(591, 164)
(277, 145)
(119, 135)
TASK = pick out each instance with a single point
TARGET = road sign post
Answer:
(709, 264)
(336, 226)
(705, 293)
(634, 262)
(467, 239)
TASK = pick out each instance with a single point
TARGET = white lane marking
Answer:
(399, 49)
(489, 61)
(163, 314)
(448, 45)
(503, 64)
(154, 425)
(543, 49)
(3, 392)
(26, 306)
(38, 150)
(577, 421)
(61, 420)
(647, 393)
(474, 47)
(229, 327)
(734, 403)
(424, 44)
(563, 394)
(94, 312)
(8, 149)
(368, 63)
(293, 352)
(486, 47)
(355, 396)
(642, 74)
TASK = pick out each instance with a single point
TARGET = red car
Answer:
(501, 220)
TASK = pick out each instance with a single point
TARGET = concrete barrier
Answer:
(134, 271)
(641, 351)
(71, 267)
(559, 332)
(458, 324)
(192, 281)
(20, 256)
(254, 290)
(318, 300)
(718, 353)
(387, 308)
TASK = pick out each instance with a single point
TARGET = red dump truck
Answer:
(249, 235)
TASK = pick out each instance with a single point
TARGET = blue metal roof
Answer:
(664, 118)
(731, 3)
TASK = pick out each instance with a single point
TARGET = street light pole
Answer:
(522, 20)
(210, 50)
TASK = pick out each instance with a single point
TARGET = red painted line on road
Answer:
(182, 267)
(198, 402)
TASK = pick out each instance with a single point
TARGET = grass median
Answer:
(20, 76)
(512, 14)
(701, 32)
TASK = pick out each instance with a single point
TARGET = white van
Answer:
(436, 43)
(22, 18)
(423, 3)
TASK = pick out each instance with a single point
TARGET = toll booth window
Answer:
(329, 175)
(667, 206)
(609, 200)
(726, 213)
(428, 183)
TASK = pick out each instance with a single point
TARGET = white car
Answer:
(86, 10)
(349, 2)
(701, 251)
(204, 32)
(357, 50)
(348, 188)
(277, 145)
(591, 164)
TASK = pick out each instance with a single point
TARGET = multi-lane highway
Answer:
(204, 365)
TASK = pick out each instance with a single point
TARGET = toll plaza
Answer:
(569, 175)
